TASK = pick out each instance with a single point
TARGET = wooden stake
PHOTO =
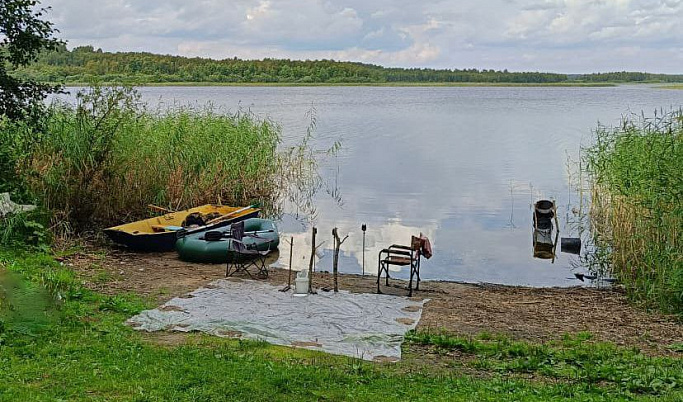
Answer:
(310, 263)
(335, 259)
(291, 249)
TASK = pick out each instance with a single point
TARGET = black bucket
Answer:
(544, 209)
(571, 245)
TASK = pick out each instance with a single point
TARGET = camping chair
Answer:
(401, 256)
(245, 257)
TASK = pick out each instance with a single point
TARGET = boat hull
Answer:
(146, 236)
(194, 248)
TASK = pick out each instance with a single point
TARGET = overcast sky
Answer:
(571, 36)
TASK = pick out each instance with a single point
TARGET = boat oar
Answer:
(223, 217)
(220, 218)
(160, 209)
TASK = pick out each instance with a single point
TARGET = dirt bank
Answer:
(536, 314)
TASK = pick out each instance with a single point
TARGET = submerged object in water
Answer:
(544, 212)
(581, 277)
(160, 233)
(570, 245)
(216, 246)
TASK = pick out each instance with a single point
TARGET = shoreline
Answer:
(463, 309)
(375, 84)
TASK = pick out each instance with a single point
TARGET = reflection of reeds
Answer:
(636, 210)
(103, 161)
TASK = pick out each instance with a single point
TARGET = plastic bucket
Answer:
(301, 283)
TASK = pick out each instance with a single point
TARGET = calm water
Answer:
(461, 165)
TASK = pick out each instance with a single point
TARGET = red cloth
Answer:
(426, 250)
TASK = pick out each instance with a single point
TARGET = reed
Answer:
(103, 160)
(637, 213)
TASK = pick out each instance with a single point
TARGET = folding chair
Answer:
(401, 256)
(245, 256)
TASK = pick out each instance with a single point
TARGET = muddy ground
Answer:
(534, 314)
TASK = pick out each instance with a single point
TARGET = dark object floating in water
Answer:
(581, 277)
(571, 245)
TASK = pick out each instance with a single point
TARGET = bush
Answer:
(637, 211)
(108, 157)
(26, 229)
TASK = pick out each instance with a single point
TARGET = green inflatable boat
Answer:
(215, 246)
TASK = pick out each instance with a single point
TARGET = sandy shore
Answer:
(534, 314)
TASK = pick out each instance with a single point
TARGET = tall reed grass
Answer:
(103, 160)
(636, 172)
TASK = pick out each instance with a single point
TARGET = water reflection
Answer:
(351, 254)
(545, 236)
(462, 165)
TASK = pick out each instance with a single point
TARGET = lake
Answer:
(463, 165)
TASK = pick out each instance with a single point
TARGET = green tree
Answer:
(23, 35)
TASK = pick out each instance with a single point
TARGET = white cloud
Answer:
(557, 35)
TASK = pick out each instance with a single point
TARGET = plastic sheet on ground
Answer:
(361, 325)
(8, 207)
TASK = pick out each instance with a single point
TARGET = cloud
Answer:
(585, 22)
(584, 34)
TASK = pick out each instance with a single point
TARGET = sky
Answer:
(567, 36)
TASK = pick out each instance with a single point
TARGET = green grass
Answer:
(574, 359)
(637, 213)
(85, 352)
(103, 161)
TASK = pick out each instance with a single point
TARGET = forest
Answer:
(86, 64)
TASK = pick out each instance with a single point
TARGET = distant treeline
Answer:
(85, 64)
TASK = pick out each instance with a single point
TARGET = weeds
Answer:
(26, 229)
(636, 213)
(109, 157)
(575, 359)
(102, 161)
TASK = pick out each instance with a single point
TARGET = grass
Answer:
(574, 359)
(109, 157)
(102, 161)
(86, 352)
(636, 212)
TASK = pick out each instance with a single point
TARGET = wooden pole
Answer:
(335, 260)
(291, 249)
(335, 256)
(310, 263)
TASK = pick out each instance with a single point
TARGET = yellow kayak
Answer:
(159, 233)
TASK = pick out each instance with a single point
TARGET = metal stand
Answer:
(363, 228)
(289, 276)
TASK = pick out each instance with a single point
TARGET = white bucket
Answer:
(301, 283)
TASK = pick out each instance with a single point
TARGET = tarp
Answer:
(8, 207)
(361, 325)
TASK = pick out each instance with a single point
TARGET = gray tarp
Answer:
(8, 207)
(366, 326)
